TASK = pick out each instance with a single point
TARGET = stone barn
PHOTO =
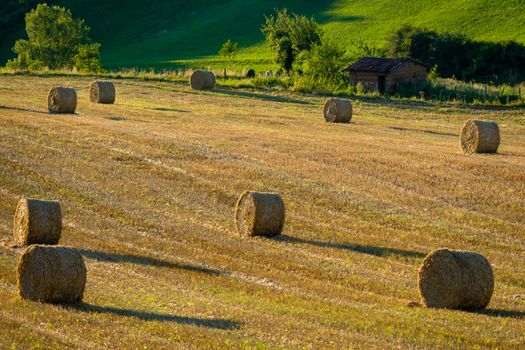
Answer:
(383, 74)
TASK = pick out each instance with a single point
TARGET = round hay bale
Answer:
(102, 92)
(62, 100)
(259, 214)
(250, 74)
(37, 222)
(202, 80)
(51, 274)
(337, 110)
(480, 137)
(455, 280)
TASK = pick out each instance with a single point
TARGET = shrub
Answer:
(454, 90)
(361, 49)
(87, 58)
(272, 83)
(229, 49)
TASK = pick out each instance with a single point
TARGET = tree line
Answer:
(455, 55)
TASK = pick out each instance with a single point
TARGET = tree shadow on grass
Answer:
(152, 316)
(501, 313)
(424, 131)
(358, 248)
(142, 260)
(260, 96)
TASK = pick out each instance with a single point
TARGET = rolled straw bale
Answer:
(102, 92)
(37, 222)
(51, 274)
(62, 100)
(337, 110)
(455, 280)
(202, 80)
(259, 214)
(250, 74)
(480, 137)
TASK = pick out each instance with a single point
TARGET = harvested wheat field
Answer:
(148, 188)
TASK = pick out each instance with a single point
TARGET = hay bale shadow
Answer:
(500, 313)
(116, 119)
(358, 248)
(432, 132)
(23, 109)
(142, 260)
(163, 109)
(216, 323)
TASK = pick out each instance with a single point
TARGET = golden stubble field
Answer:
(148, 187)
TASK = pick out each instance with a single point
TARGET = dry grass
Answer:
(148, 186)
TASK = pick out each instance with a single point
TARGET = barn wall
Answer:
(409, 73)
(369, 80)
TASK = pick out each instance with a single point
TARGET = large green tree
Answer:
(55, 40)
(289, 35)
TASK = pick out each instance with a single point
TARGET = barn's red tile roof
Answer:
(380, 64)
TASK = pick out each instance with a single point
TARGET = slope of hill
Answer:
(164, 33)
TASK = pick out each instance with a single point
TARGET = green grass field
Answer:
(176, 33)
(148, 186)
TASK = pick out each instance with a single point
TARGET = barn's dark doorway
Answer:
(381, 84)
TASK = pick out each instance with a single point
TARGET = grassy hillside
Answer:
(170, 33)
(148, 187)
